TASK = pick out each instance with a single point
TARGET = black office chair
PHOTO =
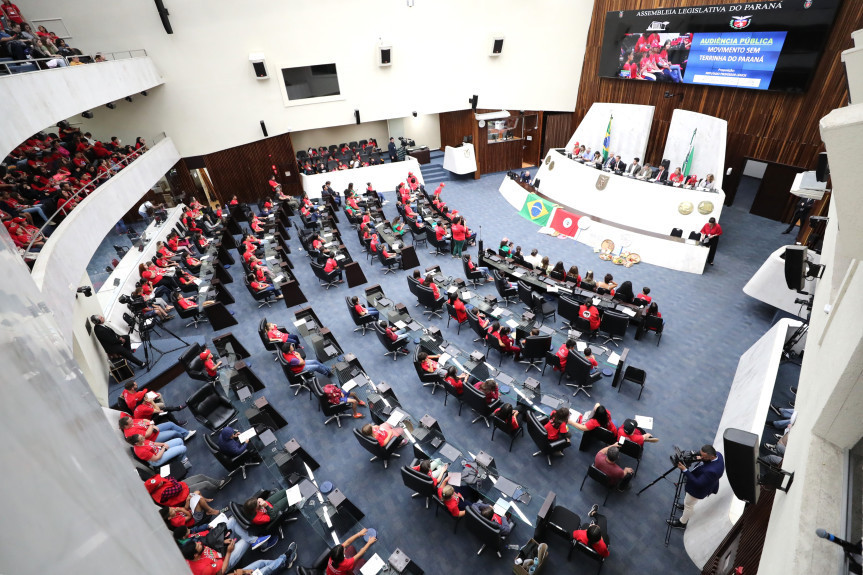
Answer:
(237, 463)
(635, 375)
(361, 321)
(583, 325)
(578, 371)
(439, 504)
(393, 347)
(613, 325)
(551, 359)
(656, 325)
(538, 433)
(633, 450)
(192, 363)
(272, 346)
(568, 310)
(504, 427)
(542, 308)
(585, 550)
(594, 473)
(451, 314)
(413, 286)
(432, 305)
(534, 350)
(449, 391)
(475, 399)
(472, 277)
(556, 520)
(273, 527)
(597, 435)
(694, 236)
(432, 380)
(473, 322)
(486, 530)
(507, 293)
(525, 294)
(418, 235)
(372, 446)
(210, 408)
(676, 233)
(264, 298)
(296, 381)
(325, 279)
(192, 313)
(388, 263)
(421, 484)
(318, 567)
(333, 412)
(493, 344)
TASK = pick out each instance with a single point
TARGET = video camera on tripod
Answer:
(687, 458)
(135, 303)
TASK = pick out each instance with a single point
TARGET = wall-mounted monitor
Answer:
(757, 45)
(306, 82)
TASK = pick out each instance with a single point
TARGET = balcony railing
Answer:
(23, 66)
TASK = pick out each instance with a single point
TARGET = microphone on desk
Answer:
(846, 545)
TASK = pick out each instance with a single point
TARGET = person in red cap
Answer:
(210, 366)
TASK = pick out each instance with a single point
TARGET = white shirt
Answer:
(144, 207)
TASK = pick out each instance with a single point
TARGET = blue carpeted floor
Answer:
(709, 324)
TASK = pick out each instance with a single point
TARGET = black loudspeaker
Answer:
(260, 69)
(536, 183)
(741, 452)
(163, 14)
(473, 101)
(795, 267)
(497, 47)
(385, 53)
(264, 128)
(357, 116)
(822, 170)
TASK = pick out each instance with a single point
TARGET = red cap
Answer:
(205, 354)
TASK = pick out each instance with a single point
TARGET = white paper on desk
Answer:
(518, 274)
(268, 237)
(220, 518)
(613, 358)
(278, 278)
(466, 294)
(454, 479)
(247, 435)
(628, 311)
(203, 290)
(165, 470)
(451, 289)
(443, 358)
(497, 311)
(294, 495)
(197, 282)
(596, 301)
(397, 245)
(401, 325)
(340, 257)
(551, 289)
(373, 566)
(580, 345)
(512, 323)
(574, 417)
(349, 385)
(396, 417)
(271, 258)
(501, 506)
(644, 422)
(300, 323)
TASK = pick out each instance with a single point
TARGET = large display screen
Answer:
(758, 45)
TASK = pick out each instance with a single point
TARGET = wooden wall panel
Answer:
(181, 182)
(454, 126)
(556, 132)
(245, 170)
(768, 126)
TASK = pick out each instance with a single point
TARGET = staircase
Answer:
(433, 173)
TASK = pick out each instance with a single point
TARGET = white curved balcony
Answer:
(64, 257)
(38, 99)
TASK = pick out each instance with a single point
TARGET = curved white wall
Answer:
(36, 100)
(64, 257)
(212, 101)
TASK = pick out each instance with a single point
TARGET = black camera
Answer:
(135, 303)
(405, 142)
(86, 290)
(687, 458)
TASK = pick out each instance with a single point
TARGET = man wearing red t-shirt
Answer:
(563, 352)
(203, 560)
(211, 367)
(629, 430)
(606, 461)
(156, 452)
(277, 335)
(590, 313)
(452, 500)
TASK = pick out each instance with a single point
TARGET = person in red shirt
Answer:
(458, 306)
(157, 453)
(338, 564)
(589, 312)
(363, 310)
(595, 533)
(438, 190)
(211, 367)
(506, 413)
(382, 433)
(262, 287)
(428, 364)
(440, 234)
(710, 237)
(645, 295)
(676, 177)
(630, 431)
(452, 499)
(601, 418)
(263, 511)
(606, 461)
(204, 560)
(556, 426)
(455, 379)
(276, 334)
(394, 334)
(472, 266)
(429, 283)
(151, 431)
(489, 388)
(588, 355)
(13, 12)
(433, 468)
(459, 235)
(132, 396)
(563, 353)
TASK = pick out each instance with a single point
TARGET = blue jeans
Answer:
(373, 312)
(317, 367)
(268, 566)
(381, 197)
(37, 210)
(293, 339)
(483, 270)
(783, 423)
(176, 448)
(170, 430)
(243, 544)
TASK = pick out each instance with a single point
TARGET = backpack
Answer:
(334, 393)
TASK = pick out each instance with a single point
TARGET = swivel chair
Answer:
(538, 433)
(421, 484)
(361, 321)
(233, 464)
(393, 347)
(383, 453)
(534, 350)
(507, 293)
(210, 408)
(486, 530)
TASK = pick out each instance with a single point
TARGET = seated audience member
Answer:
(458, 306)
(298, 364)
(132, 396)
(557, 426)
(489, 388)
(505, 247)
(630, 431)
(456, 379)
(392, 333)
(336, 395)
(588, 282)
(168, 492)
(653, 309)
(338, 564)
(228, 442)
(563, 353)
(453, 499)
(507, 343)
(429, 365)
(661, 176)
(190, 513)
(487, 511)
(588, 355)
(483, 321)
(600, 417)
(434, 468)
(534, 258)
(608, 283)
(595, 533)
(263, 511)
(624, 292)
(557, 272)
(203, 560)
(382, 433)
(145, 427)
(157, 453)
(210, 366)
(262, 286)
(545, 265)
(148, 408)
(506, 413)
(645, 172)
(275, 334)
(589, 312)
(363, 310)
(677, 177)
(606, 461)
(332, 265)
(473, 267)
(573, 277)
(644, 295)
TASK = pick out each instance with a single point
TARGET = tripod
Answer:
(144, 330)
(678, 490)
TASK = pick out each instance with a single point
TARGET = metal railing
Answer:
(6, 70)
(86, 189)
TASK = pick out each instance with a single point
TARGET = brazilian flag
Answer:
(536, 210)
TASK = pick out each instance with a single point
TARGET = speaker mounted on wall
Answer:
(473, 102)
(496, 46)
(741, 454)
(163, 15)
(385, 55)
(264, 129)
(795, 267)
(259, 67)
(822, 170)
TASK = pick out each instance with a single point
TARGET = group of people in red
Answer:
(649, 58)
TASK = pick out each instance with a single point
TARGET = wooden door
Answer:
(773, 199)
(532, 141)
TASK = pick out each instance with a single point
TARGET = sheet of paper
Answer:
(165, 470)
(300, 323)
(451, 289)
(373, 566)
(247, 435)
(454, 479)
(268, 238)
(596, 301)
(580, 345)
(497, 311)
(466, 294)
(204, 258)
(628, 311)
(501, 506)
(574, 417)
(340, 257)
(349, 385)
(278, 279)
(518, 274)
(551, 289)
(257, 572)
(613, 358)
(644, 422)
(197, 282)
(396, 417)
(294, 495)
(401, 325)
(220, 518)
(443, 358)
(512, 323)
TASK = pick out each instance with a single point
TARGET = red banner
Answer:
(564, 223)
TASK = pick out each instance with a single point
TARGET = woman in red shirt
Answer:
(455, 379)
(382, 433)
(428, 363)
(472, 266)
(262, 511)
(338, 564)
(506, 413)
(556, 426)
(458, 306)
(489, 388)
(153, 275)
(458, 236)
(710, 237)
(601, 418)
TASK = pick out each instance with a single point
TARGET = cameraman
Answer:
(700, 482)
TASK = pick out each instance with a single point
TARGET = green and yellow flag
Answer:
(536, 210)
